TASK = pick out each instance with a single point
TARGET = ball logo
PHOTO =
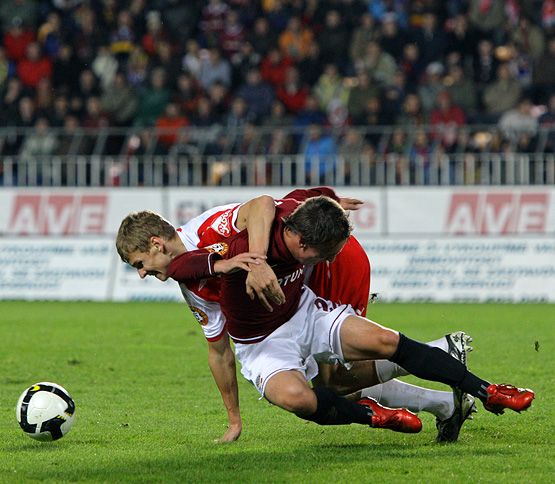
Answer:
(220, 248)
(200, 315)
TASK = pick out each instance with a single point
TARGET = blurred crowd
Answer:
(423, 68)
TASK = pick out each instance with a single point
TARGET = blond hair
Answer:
(136, 230)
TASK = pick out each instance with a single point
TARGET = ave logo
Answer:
(58, 214)
(497, 213)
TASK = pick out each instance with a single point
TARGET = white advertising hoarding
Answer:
(128, 286)
(515, 269)
(463, 211)
(71, 211)
(186, 203)
(56, 268)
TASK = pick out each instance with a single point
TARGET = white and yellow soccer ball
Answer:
(45, 411)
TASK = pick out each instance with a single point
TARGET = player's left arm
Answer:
(221, 361)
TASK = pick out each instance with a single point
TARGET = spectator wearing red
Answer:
(446, 119)
(232, 35)
(154, 32)
(293, 93)
(169, 124)
(274, 67)
(34, 67)
(16, 40)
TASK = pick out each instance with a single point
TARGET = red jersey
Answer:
(249, 321)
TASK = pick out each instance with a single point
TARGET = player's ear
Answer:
(158, 243)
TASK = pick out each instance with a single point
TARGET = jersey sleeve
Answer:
(301, 194)
(207, 313)
(193, 265)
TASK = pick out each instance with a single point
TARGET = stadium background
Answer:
(437, 114)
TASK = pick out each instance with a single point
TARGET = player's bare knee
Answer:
(387, 340)
(298, 400)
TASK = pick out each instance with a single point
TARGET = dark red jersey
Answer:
(247, 320)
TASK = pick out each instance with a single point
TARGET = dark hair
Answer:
(320, 222)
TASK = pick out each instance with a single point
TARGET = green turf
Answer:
(148, 411)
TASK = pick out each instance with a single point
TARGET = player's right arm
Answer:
(257, 216)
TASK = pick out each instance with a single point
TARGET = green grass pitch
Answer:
(147, 409)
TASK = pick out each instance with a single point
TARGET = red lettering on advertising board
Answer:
(58, 214)
(497, 213)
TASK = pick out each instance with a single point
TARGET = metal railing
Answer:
(362, 157)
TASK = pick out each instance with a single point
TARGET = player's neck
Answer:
(175, 247)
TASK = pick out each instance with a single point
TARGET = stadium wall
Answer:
(433, 244)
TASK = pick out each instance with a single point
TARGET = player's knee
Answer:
(298, 399)
(387, 340)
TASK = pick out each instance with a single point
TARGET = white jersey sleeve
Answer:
(207, 313)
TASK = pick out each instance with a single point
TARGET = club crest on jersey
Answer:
(220, 248)
(199, 315)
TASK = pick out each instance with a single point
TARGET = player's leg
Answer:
(363, 339)
(361, 381)
(290, 391)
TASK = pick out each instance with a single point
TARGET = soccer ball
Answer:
(45, 411)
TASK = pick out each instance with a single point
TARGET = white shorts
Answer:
(312, 335)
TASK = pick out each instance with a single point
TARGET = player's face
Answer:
(151, 263)
(310, 256)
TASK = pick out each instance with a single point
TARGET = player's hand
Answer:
(231, 434)
(350, 203)
(262, 282)
(244, 261)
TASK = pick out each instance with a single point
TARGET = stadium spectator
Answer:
(544, 73)
(191, 60)
(519, 120)
(258, 95)
(60, 110)
(410, 65)
(295, 40)
(169, 124)
(119, 101)
(220, 99)
(334, 41)
(502, 94)
(359, 96)
(320, 151)
(462, 90)
(212, 21)
(232, 35)
(330, 89)
(461, 38)
(431, 86)
(187, 93)
(44, 97)
(123, 36)
(292, 93)
(50, 36)
(165, 58)
(261, 37)
(430, 39)
(392, 38)
(488, 16)
(66, 70)
(411, 115)
(16, 39)
(380, 65)
(4, 68)
(446, 119)
(214, 68)
(153, 100)
(104, 66)
(274, 68)
(362, 35)
(23, 12)
(89, 37)
(41, 142)
(311, 67)
(155, 33)
(528, 38)
(237, 117)
(34, 66)
(484, 64)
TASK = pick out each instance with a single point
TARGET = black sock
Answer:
(335, 410)
(435, 364)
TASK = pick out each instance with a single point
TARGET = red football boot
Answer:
(501, 397)
(396, 419)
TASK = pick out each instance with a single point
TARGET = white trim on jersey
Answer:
(207, 313)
